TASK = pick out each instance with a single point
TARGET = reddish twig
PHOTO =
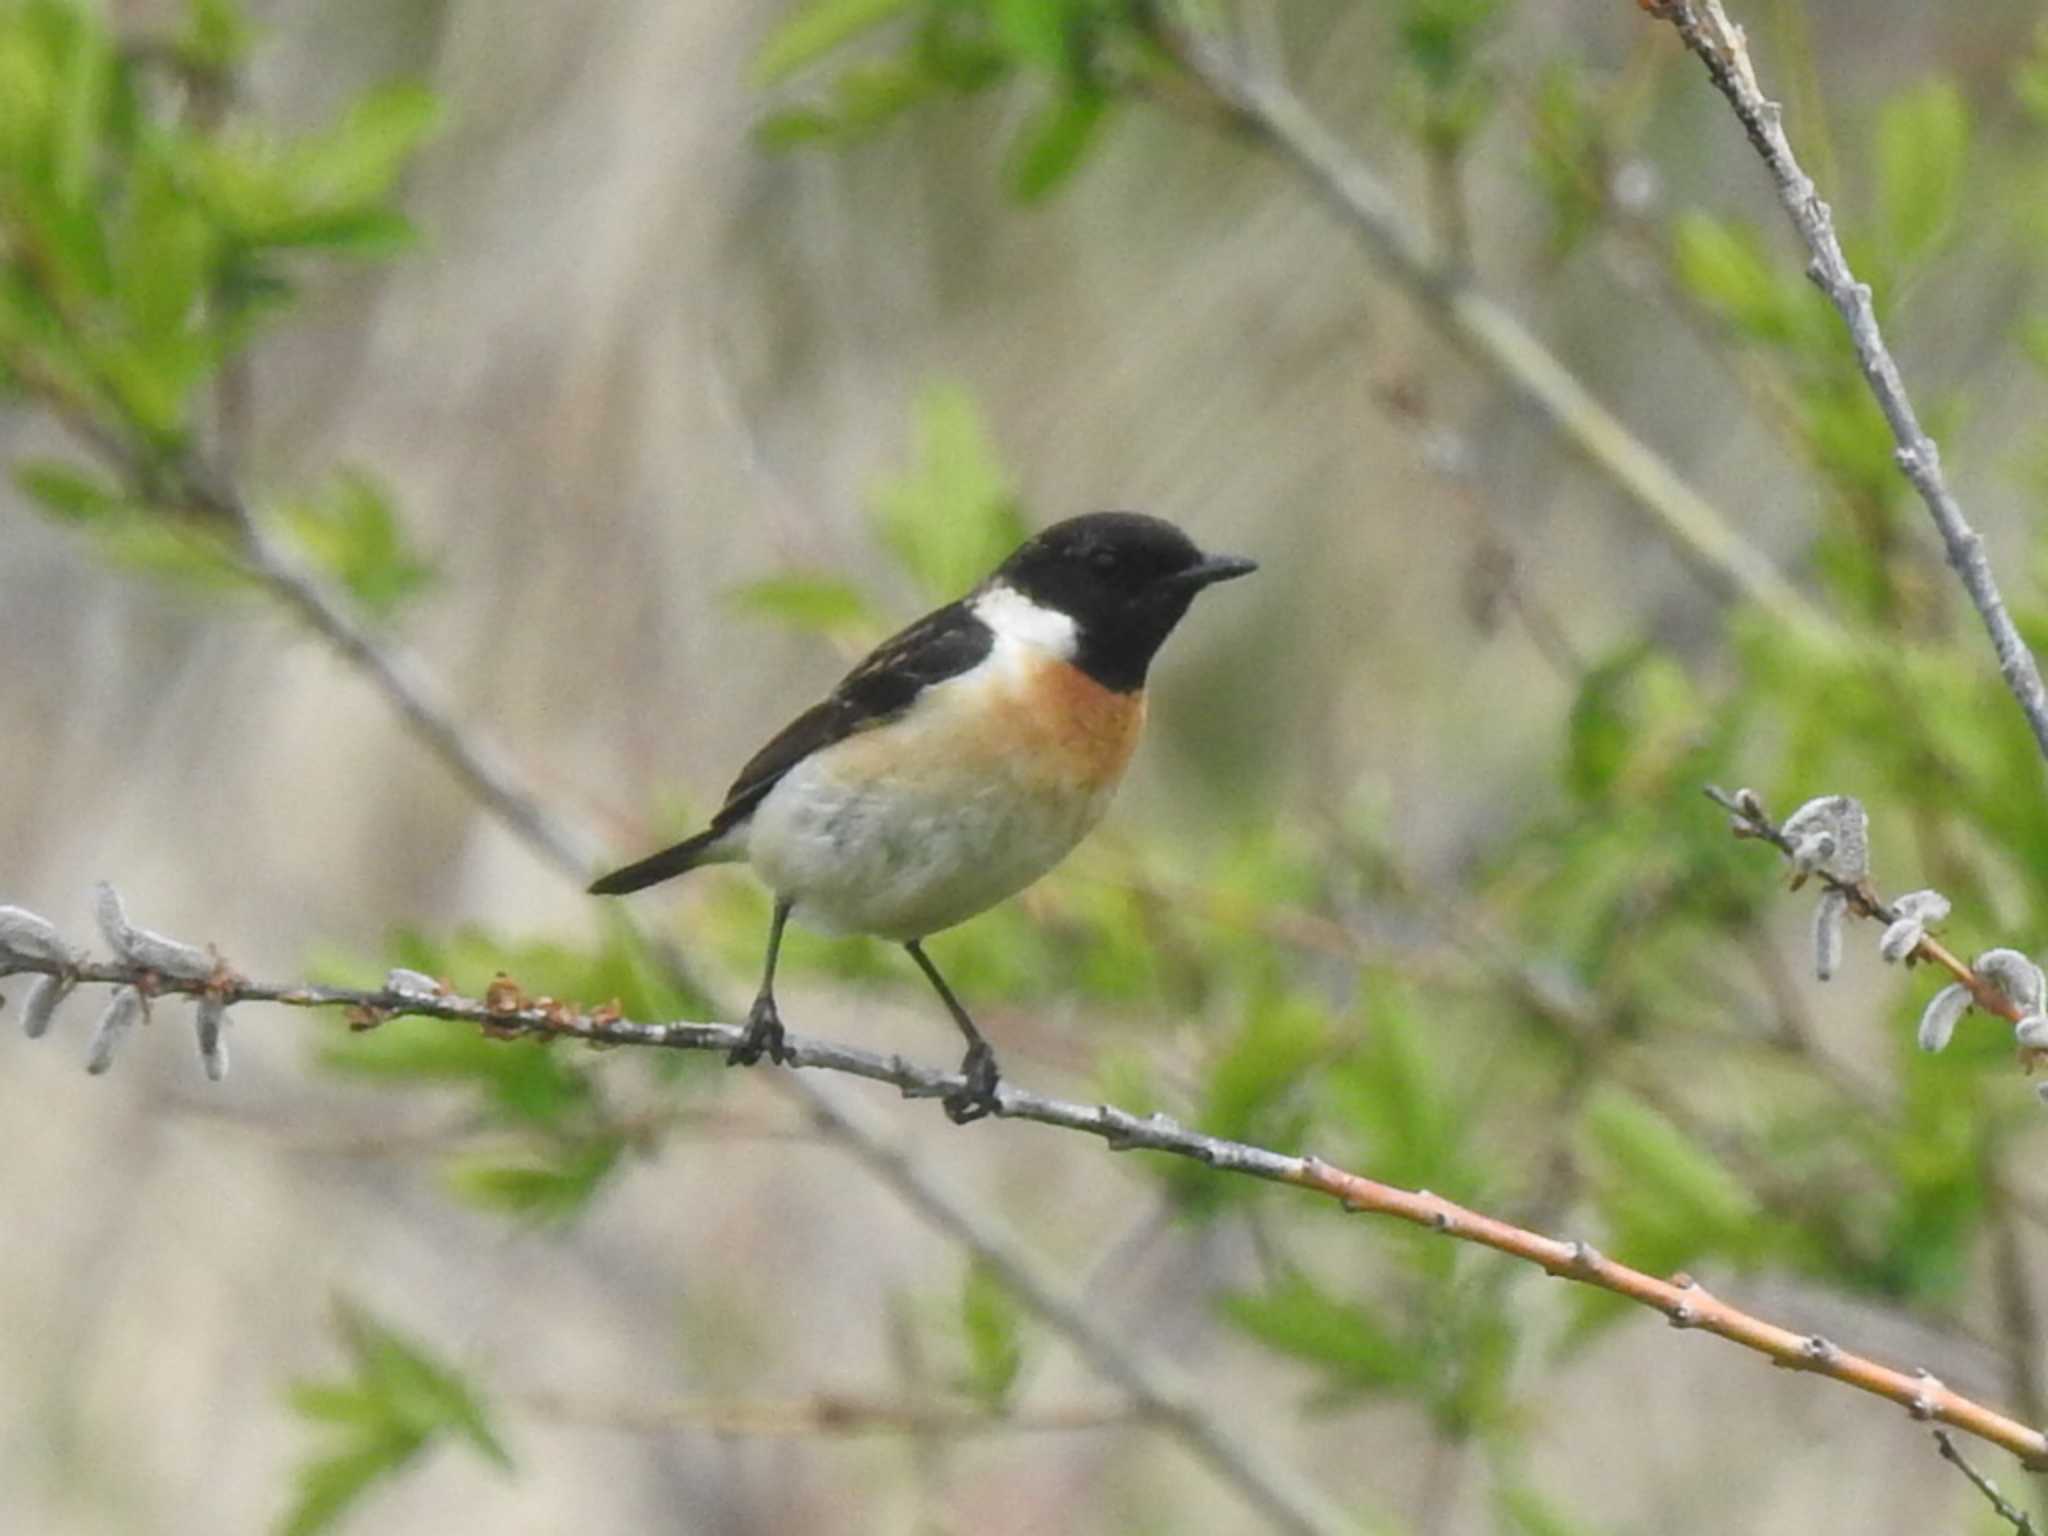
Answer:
(507, 1013)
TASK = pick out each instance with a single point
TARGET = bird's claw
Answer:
(764, 1036)
(976, 1098)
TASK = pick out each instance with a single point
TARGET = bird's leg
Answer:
(764, 1024)
(978, 1097)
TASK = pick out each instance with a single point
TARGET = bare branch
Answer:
(506, 1012)
(1721, 46)
(820, 1415)
(1490, 333)
(2020, 1520)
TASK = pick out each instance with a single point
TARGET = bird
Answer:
(958, 762)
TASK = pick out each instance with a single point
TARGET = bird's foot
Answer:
(764, 1036)
(977, 1097)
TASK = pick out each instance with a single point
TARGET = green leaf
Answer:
(1284, 1035)
(425, 1394)
(368, 234)
(816, 30)
(542, 1191)
(1392, 1091)
(1053, 142)
(523, 1080)
(349, 529)
(810, 603)
(1252, 1091)
(395, 1401)
(358, 160)
(68, 493)
(1525, 1512)
(951, 517)
(1923, 142)
(167, 548)
(1344, 1340)
(328, 1486)
(1725, 267)
(84, 91)
(324, 191)
(990, 1323)
(1037, 30)
(1671, 1191)
(216, 36)
(1569, 155)
(1441, 39)
(163, 255)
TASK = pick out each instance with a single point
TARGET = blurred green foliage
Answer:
(150, 231)
(1075, 54)
(395, 1402)
(1594, 1023)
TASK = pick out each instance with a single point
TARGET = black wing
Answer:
(940, 645)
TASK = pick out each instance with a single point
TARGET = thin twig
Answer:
(1680, 1299)
(1676, 512)
(1721, 46)
(2020, 1520)
(822, 1414)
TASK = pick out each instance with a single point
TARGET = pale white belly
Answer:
(902, 857)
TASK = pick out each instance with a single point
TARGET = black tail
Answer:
(657, 867)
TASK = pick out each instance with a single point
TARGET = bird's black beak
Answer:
(1214, 568)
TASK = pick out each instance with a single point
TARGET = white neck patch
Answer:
(1017, 619)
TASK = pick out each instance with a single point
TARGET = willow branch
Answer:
(1276, 118)
(505, 1011)
(1721, 46)
(1862, 900)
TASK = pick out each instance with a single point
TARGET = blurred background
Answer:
(636, 366)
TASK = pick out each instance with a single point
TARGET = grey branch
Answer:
(2019, 1519)
(505, 1011)
(822, 1414)
(30, 945)
(1276, 117)
(1721, 46)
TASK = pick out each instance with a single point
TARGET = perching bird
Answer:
(960, 761)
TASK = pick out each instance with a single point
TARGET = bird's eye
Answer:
(1103, 559)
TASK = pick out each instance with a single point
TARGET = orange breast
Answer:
(1036, 723)
(1068, 727)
